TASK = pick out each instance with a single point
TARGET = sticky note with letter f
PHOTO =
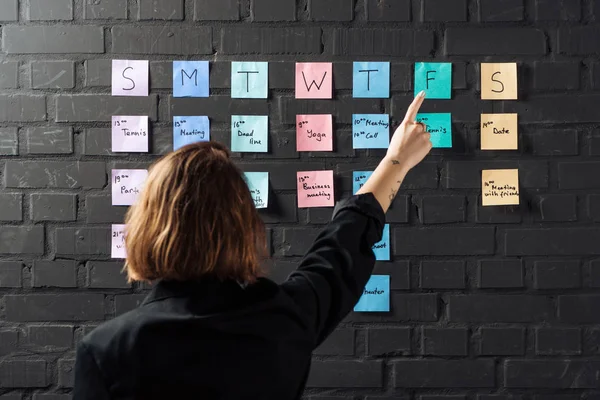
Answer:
(315, 189)
(375, 296)
(190, 79)
(314, 81)
(499, 81)
(435, 79)
(500, 187)
(258, 183)
(249, 80)
(130, 77)
(371, 80)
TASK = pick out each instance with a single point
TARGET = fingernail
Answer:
(421, 93)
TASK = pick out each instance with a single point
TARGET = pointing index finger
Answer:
(413, 109)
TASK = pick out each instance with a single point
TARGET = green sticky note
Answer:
(440, 127)
(249, 133)
(435, 79)
(249, 80)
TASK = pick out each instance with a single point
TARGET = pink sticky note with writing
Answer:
(130, 77)
(315, 189)
(118, 241)
(314, 132)
(127, 185)
(314, 81)
(130, 133)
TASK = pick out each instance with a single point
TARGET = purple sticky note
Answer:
(130, 133)
(127, 185)
(118, 241)
(130, 77)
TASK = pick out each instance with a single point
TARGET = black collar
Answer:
(208, 288)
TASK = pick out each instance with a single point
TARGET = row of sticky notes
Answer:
(313, 80)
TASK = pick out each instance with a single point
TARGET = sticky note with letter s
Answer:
(130, 77)
(249, 80)
(499, 81)
(435, 79)
(375, 296)
(190, 78)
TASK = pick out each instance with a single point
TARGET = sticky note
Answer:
(499, 81)
(314, 81)
(249, 133)
(314, 133)
(499, 132)
(130, 77)
(129, 133)
(500, 187)
(315, 189)
(439, 125)
(249, 80)
(371, 80)
(127, 185)
(359, 178)
(435, 79)
(190, 79)
(382, 248)
(188, 130)
(117, 248)
(370, 131)
(376, 295)
(258, 183)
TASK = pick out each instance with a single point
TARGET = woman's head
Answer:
(194, 218)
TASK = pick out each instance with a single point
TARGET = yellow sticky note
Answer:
(499, 132)
(500, 187)
(499, 81)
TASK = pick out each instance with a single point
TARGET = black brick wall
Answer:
(487, 303)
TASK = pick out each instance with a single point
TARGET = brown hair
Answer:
(194, 218)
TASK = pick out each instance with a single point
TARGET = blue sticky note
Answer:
(258, 183)
(187, 130)
(249, 80)
(190, 79)
(359, 178)
(440, 127)
(382, 248)
(249, 133)
(435, 79)
(370, 131)
(376, 295)
(371, 80)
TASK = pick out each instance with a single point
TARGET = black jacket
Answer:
(221, 340)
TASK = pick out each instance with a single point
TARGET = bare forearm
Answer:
(385, 181)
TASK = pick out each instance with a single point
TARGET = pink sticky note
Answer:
(130, 133)
(314, 81)
(127, 185)
(315, 189)
(118, 241)
(130, 77)
(314, 132)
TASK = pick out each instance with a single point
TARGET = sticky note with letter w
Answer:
(314, 81)
(375, 296)
(499, 81)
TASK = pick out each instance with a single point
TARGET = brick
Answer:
(220, 108)
(22, 239)
(10, 275)
(50, 10)
(405, 307)
(98, 142)
(53, 207)
(66, 373)
(444, 10)
(441, 209)
(578, 175)
(555, 208)
(161, 75)
(500, 274)
(497, 215)
(579, 309)
(595, 69)
(557, 275)
(92, 108)
(54, 307)
(445, 341)
(107, 275)
(23, 374)
(467, 174)
(346, 374)
(98, 72)
(273, 10)
(499, 308)
(9, 142)
(545, 75)
(440, 397)
(125, 303)
(9, 10)
(333, 10)
(253, 40)
(49, 140)
(106, 9)
(22, 108)
(574, 241)
(297, 241)
(443, 373)
(495, 41)
(557, 10)
(594, 207)
(82, 241)
(449, 241)
(9, 74)
(398, 211)
(557, 341)
(49, 39)
(395, 341)
(388, 42)
(282, 209)
(216, 10)
(50, 396)
(52, 75)
(595, 273)
(578, 40)
(62, 273)
(8, 342)
(567, 374)
(554, 142)
(442, 274)
(11, 207)
(158, 40)
(501, 10)
(55, 174)
(543, 109)
(399, 272)
(160, 9)
(100, 210)
(340, 342)
(51, 337)
(387, 11)
(502, 342)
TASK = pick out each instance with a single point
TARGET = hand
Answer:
(410, 142)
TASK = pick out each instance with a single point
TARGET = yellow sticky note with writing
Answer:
(499, 81)
(500, 187)
(499, 132)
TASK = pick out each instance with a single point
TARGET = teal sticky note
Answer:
(382, 248)
(435, 79)
(376, 295)
(440, 127)
(371, 80)
(370, 131)
(190, 79)
(249, 80)
(249, 133)
(258, 183)
(359, 178)
(188, 130)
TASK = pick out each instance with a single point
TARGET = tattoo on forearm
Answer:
(392, 195)
(395, 162)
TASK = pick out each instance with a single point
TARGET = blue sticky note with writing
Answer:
(382, 248)
(249, 80)
(376, 295)
(249, 133)
(258, 183)
(370, 131)
(435, 79)
(371, 80)
(190, 79)
(188, 130)
(440, 127)
(359, 178)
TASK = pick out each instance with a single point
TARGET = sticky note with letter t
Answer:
(499, 81)
(315, 189)
(258, 183)
(190, 79)
(314, 81)
(371, 80)
(500, 187)
(435, 79)
(130, 77)
(499, 132)
(249, 80)
(375, 296)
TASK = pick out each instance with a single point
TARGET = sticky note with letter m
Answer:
(190, 79)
